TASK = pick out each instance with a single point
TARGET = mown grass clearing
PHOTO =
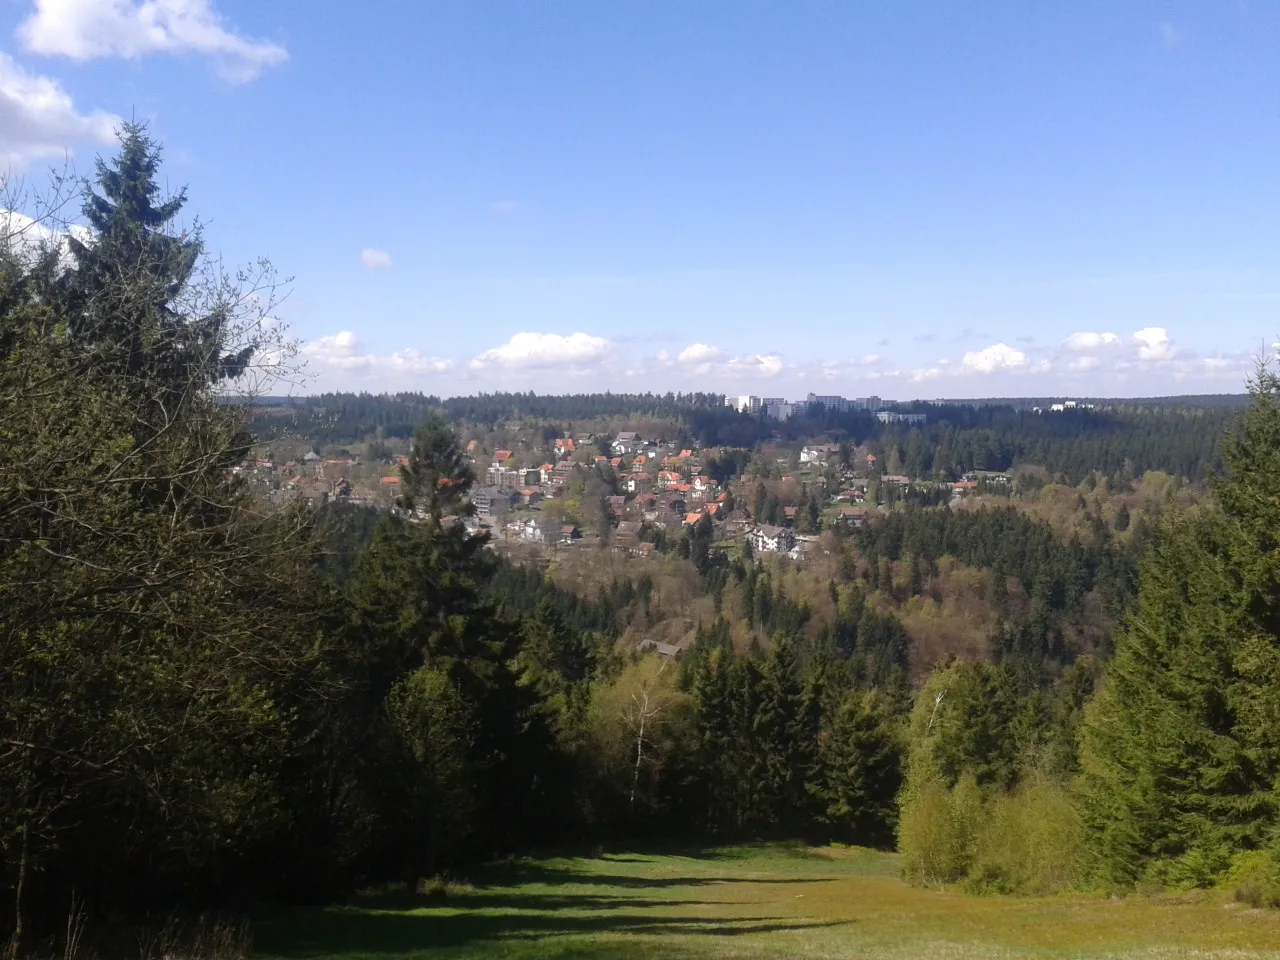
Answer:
(757, 901)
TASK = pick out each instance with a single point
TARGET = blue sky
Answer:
(908, 199)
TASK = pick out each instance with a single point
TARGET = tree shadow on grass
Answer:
(334, 933)
(525, 872)
(494, 909)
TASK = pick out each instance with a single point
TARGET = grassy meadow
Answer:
(755, 901)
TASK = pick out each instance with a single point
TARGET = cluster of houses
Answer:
(660, 487)
(313, 477)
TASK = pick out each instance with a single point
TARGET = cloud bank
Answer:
(38, 121)
(1085, 363)
(129, 29)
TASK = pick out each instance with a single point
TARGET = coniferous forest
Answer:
(209, 701)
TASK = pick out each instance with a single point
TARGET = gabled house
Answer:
(819, 452)
(535, 530)
(627, 533)
(769, 539)
(635, 482)
(569, 533)
(501, 456)
(852, 516)
(565, 447)
(668, 478)
(627, 442)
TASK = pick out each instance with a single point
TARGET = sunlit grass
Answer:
(756, 901)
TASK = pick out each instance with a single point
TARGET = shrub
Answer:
(937, 829)
(1254, 877)
(1027, 842)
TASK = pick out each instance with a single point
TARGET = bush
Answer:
(937, 829)
(1254, 877)
(1027, 842)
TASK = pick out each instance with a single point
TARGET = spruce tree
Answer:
(129, 300)
(861, 770)
(1180, 750)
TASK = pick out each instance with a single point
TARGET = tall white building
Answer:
(746, 404)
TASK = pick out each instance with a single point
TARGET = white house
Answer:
(818, 452)
(626, 442)
(767, 539)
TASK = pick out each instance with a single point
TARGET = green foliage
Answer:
(158, 626)
(434, 725)
(861, 762)
(937, 827)
(1179, 751)
(1028, 841)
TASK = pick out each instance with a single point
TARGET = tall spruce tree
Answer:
(155, 624)
(1180, 751)
(129, 299)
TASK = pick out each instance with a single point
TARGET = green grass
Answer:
(756, 902)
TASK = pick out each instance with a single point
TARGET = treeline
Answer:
(334, 418)
(1124, 441)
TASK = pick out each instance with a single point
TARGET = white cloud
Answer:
(375, 259)
(1083, 364)
(994, 359)
(38, 121)
(756, 365)
(701, 353)
(705, 360)
(924, 374)
(28, 238)
(544, 350)
(1154, 345)
(90, 29)
(1085, 342)
(342, 353)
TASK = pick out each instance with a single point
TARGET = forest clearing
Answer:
(757, 901)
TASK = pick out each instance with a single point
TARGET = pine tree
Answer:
(786, 736)
(1180, 751)
(861, 770)
(128, 298)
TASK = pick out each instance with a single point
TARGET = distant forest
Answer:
(1179, 436)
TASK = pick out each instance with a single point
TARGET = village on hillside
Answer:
(637, 492)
